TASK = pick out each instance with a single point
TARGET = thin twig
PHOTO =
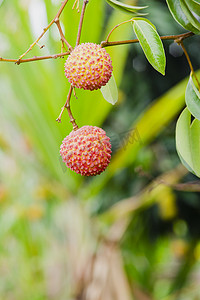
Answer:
(81, 22)
(41, 47)
(181, 37)
(63, 47)
(35, 58)
(189, 62)
(77, 6)
(63, 39)
(67, 106)
(44, 31)
(186, 187)
(61, 9)
(116, 26)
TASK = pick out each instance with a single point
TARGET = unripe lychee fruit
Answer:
(87, 151)
(88, 67)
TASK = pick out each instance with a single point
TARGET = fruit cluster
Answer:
(87, 150)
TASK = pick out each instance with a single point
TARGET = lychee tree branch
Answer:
(104, 44)
(179, 37)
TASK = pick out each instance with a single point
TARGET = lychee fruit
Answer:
(89, 67)
(87, 150)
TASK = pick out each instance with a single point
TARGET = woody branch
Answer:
(179, 37)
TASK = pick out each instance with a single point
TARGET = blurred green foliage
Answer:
(52, 220)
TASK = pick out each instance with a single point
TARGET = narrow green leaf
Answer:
(178, 14)
(151, 43)
(197, 1)
(125, 7)
(192, 99)
(189, 15)
(110, 91)
(188, 142)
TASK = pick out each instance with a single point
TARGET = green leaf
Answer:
(125, 7)
(192, 99)
(180, 17)
(110, 91)
(189, 15)
(193, 6)
(197, 1)
(188, 142)
(151, 43)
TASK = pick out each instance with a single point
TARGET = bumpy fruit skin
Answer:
(87, 151)
(88, 67)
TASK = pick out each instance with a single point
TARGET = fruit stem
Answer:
(67, 106)
(81, 22)
(116, 26)
(63, 39)
(189, 61)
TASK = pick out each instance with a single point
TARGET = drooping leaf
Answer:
(126, 8)
(192, 99)
(151, 43)
(110, 91)
(180, 17)
(188, 142)
(190, 16)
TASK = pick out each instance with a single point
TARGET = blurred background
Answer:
(131, 232)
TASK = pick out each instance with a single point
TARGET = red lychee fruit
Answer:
(87, 151)
(88, 67)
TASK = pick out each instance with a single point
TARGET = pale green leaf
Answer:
(110, 91)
